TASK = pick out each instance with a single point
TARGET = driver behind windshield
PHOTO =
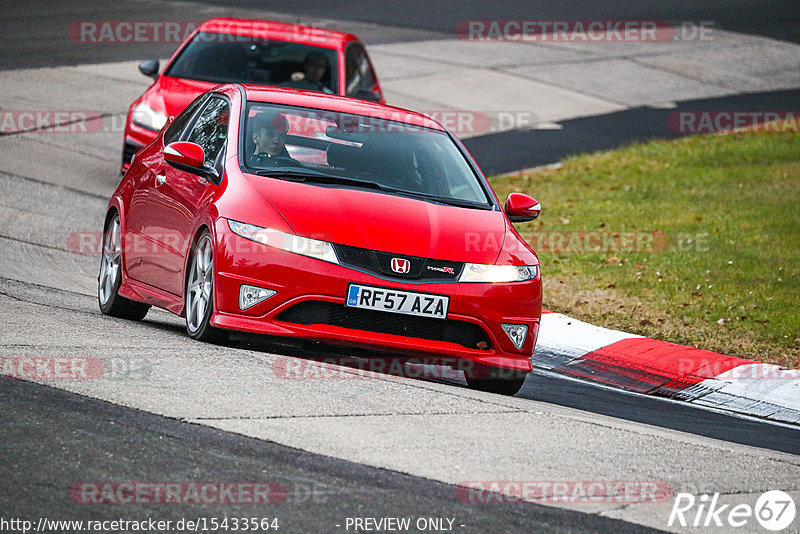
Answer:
(314, 67)
(268, 132)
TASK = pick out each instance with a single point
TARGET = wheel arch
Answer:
(115, 208)
(199, 231)
(114, 205)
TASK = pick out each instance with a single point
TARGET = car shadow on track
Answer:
(299, 359)
(322, 361)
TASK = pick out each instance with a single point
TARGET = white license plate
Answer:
(397, 301)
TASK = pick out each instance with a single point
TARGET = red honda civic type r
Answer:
(225, 50)
(320, 217)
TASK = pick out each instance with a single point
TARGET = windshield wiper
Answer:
(442, 200)
(309, 176)
(289, 173)
(319, 178)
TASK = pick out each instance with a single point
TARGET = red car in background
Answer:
(314, 216)
(225, 50)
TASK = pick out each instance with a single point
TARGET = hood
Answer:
(385, 222)
(171, 95)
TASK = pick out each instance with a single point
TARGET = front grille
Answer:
(380, 264)
(128, 150)
(466, 334)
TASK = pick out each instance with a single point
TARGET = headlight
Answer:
(476, 272)
(313, 248)
(146, 117)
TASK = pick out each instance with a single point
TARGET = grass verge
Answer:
(694, 241)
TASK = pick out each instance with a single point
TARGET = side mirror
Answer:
(522, 208)
(190, 157)
(366, 94)
(149, 67)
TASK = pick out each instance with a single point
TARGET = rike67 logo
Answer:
(774, 510)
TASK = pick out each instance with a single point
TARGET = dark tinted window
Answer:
(226, 58)
(211, 128)
(358, 71)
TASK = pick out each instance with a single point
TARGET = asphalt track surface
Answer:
(62, 438)
(34, 31)
(51, 438)
(777, 19)
(377, 23)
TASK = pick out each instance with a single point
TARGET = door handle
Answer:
(160, 179)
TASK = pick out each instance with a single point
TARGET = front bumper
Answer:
(301, 281)
(135, 138)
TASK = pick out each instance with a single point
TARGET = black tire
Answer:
(199, 293)
(495, 380)
(110, 277)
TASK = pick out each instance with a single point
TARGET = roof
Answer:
(340, 104)
(279, 31)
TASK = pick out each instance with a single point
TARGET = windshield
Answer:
(318, 146)
(227, 58)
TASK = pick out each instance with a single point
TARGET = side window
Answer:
(358, 71)
(175, 129)
(210, 130)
